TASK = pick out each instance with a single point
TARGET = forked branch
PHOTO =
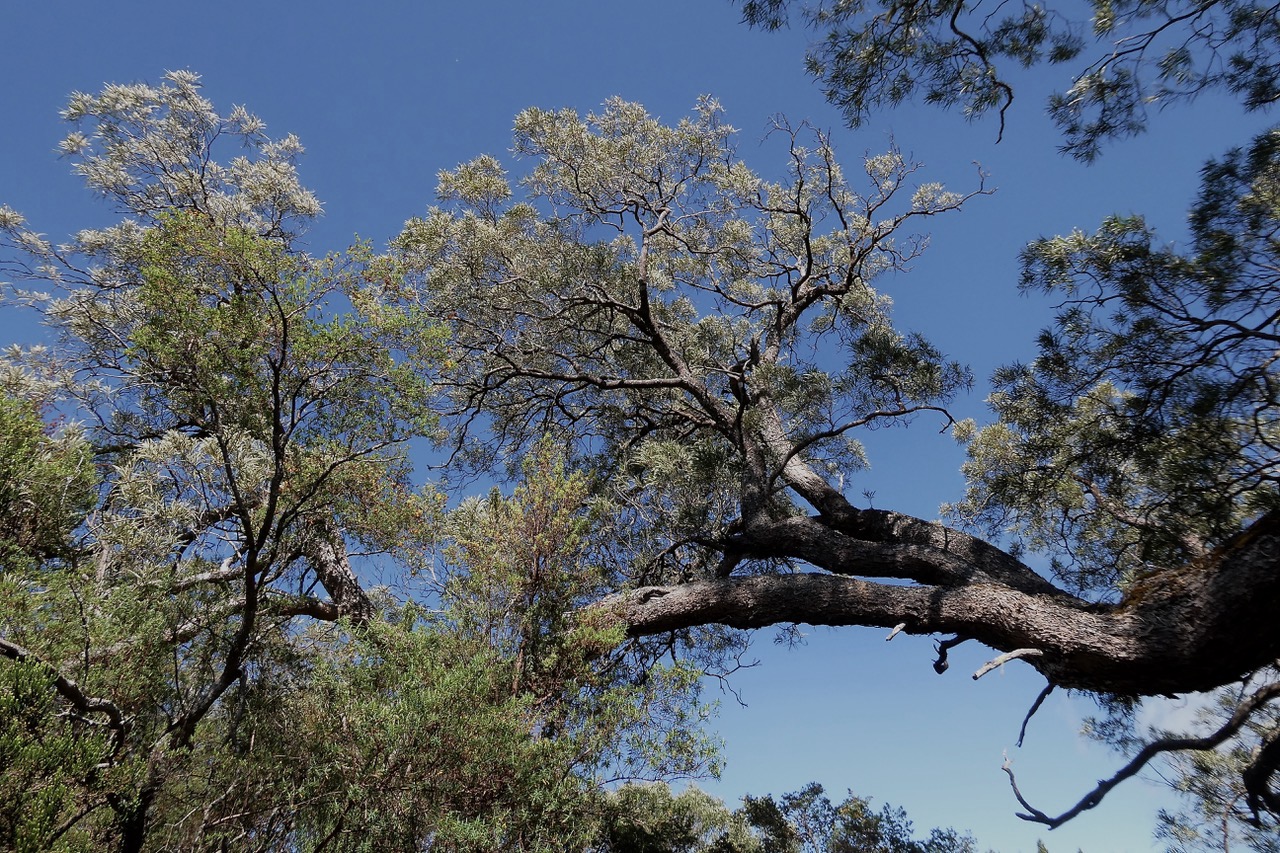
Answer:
(1239, 717)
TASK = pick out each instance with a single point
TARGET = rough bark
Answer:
(327, 554)
(1186, 628)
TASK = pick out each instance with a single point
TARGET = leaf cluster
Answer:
(1145, 433)
(1133, 54)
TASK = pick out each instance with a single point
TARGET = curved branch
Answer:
(987, 66)
(1000, 661)
(1035, 706)
(880, 543)
(1081, 648)
(1242, 713)
(1191, 629)
(68, 689)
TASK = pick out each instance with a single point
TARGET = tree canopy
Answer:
(1124, 57)
(232, 614)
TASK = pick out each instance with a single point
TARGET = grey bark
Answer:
(1187, 628)
(327, 554)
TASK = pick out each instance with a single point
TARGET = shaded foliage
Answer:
(1146, 432)
(1124, 57)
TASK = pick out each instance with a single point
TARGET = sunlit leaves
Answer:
(519, 571)
(148, 149)
(650, 292)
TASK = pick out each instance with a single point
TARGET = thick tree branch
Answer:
(1209, 622)
(879, 543)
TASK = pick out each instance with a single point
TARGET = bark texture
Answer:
(1186, 628)
(327, 554)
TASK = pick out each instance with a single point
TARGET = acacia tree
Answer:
(201, 472)
(234, 423)
(1125, 56)
(715, 342)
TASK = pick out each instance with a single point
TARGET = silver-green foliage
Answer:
(711, 335)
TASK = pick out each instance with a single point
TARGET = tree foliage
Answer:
(1125, 56)
(669, 359)
(1145, 433)
(644, 818)
(714, 340)
(806, 821)
(193, 654)
(656, 299)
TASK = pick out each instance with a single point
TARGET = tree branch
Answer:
(68, 689)
(1242, 713)
(327, 554)
(1201, 627)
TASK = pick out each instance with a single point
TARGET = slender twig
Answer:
(1035, 706)
(943, 646)
(1005, 658)
(1242, 713)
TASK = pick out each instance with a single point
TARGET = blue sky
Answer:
(386, 94)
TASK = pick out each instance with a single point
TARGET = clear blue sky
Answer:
(386, 94)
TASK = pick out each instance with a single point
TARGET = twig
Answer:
(1005, 658)
(940, 665)
(897, 629)
(1035, 706)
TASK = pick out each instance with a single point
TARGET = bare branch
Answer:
(1035, 706)
(1000, 661)
(941, 664)
(1239, 717)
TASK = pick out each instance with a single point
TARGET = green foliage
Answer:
(412, 733)
(665, 351)
(1133, 54)
(807, 822)
(42, 755)
(1144, 433)
(697, 331)
(651, 819)
(244, 406)
(486, 724)
(47, 483)
(521, 570)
